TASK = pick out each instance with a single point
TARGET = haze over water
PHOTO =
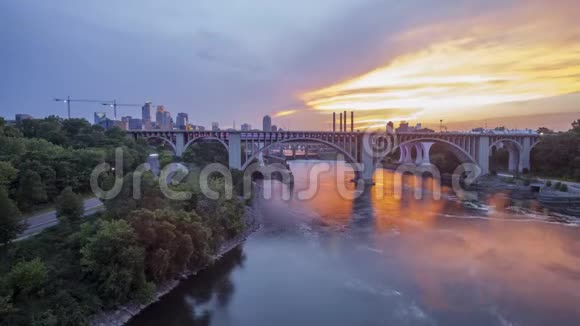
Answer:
(369, 261)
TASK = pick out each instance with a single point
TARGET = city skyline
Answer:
(420, 61)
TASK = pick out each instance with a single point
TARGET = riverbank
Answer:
(124, 313)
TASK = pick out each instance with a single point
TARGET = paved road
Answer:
(42, 221)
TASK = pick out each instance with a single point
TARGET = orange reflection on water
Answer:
(532, 264)
(407, 211)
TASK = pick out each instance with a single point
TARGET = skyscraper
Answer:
(163, 118)
(267, 123)
(182, 120)
(167, 121)
(159, 115)
(146, 115)
(246, 127)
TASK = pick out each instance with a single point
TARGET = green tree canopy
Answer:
(10, 223)
(69, 205)
(28, 276)
(113, 261)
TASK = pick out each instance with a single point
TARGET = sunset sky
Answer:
(469, 63)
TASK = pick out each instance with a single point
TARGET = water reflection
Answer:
(196, 300)
(377, 260)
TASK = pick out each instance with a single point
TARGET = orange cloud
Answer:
(284, 113)
(523, 54)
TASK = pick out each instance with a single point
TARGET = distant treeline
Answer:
(558, 154)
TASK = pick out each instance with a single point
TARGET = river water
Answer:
(378, 260)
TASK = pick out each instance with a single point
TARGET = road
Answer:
(37, 223)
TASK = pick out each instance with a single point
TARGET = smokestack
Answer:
(351, 121)
(344, 121)
(333, 121)
(341, 122)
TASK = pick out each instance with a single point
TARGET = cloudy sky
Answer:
(466, 62)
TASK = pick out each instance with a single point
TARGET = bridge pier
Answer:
(482, 154)
(424, 153)
(525, 154)
(419, 157)
(367, 160)
(179, 144)
(235, 151)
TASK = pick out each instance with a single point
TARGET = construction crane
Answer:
(114, 105)
(110, 103)
(68, 101)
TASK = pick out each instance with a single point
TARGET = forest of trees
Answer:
(558, 154)
(80, 267)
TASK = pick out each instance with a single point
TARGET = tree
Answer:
(45, 318)
(173, 240)
(113, 261)
(31, 189)
(576, 126)
(7, 173)
(545, 131)
(69, 205)
(27, 277)
(10, 223)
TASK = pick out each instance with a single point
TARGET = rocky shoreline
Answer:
(123, 314)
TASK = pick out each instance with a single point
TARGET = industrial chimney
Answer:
(351, 121)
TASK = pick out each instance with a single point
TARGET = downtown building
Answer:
(163, 118)
(182, 121)
(267, 123)
(146, 112)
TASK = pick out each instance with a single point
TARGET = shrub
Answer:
(557, 185)
(69, 205)
(45, 318)
(564, 187)
(27, 277)
(549, 183)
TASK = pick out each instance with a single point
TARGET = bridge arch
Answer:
(192, 141)
(254, 156)
(514, 149)
(460, 153)
(507, 141)
(167, 141)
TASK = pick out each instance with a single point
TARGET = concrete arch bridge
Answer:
(364, 149)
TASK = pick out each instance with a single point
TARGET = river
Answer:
(331, 260)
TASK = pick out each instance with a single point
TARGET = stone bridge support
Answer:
(235, 151)
(482, 155)
(421, 148)
(179, 144)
